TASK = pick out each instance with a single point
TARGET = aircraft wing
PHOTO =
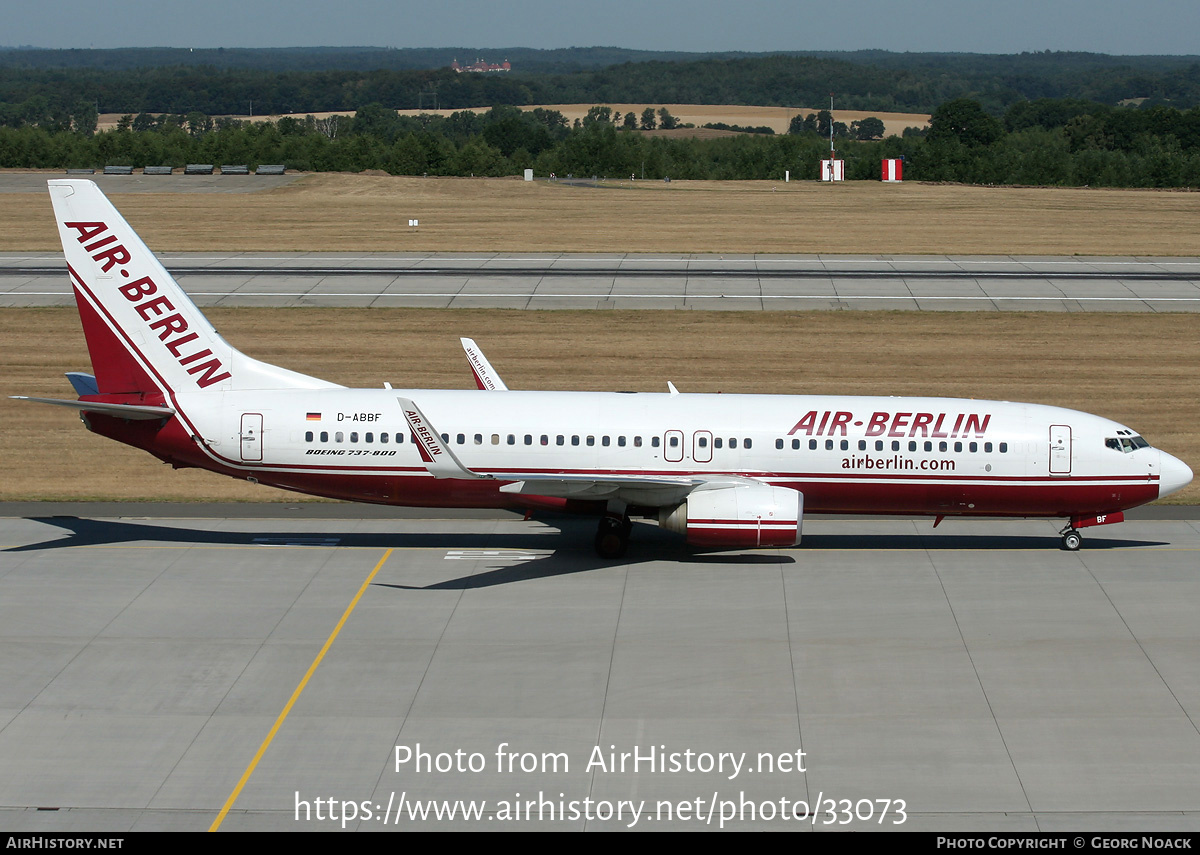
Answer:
(632, 488)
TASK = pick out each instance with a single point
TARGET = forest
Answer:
(1036, 119)
(269, 82)
(1064, 142)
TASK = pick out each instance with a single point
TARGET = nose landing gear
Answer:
(1071, 539)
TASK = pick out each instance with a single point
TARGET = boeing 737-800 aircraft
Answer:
(725, 471)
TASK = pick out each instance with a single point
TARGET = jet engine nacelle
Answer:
(738, 517)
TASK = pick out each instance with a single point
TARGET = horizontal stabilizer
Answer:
(134, 412)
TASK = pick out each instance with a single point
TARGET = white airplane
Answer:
(725, 471)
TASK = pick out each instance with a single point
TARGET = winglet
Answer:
(485, 376)
(435, 453)
(671, 388)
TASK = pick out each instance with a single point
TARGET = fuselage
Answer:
(938, 456)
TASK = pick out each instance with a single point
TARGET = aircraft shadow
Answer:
(935, 542)
(568, 554)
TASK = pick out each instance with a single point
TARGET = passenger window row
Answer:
(339, 436)
(896, 445)
(574, 440)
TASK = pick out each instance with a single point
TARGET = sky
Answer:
(970, 26)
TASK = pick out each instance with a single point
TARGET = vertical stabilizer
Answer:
(143, 332)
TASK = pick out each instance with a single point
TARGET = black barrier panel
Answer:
(198, 169)
(81, 172)
(226, 169)
(118, 170)
(158, 170)
(269, 169)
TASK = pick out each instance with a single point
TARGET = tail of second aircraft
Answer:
(144, 334)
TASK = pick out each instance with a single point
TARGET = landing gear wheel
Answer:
(1071, 540)
(612, 537)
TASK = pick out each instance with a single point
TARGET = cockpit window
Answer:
(1126, 444)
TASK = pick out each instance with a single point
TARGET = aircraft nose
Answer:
(1174, 474)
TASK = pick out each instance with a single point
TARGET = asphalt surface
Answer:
(972, 676)
(621, 281)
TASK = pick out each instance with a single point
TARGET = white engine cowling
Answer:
(738, 517)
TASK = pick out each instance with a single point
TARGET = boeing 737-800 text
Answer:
(725, 471)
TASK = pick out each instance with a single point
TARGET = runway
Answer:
(634, 281)
(969, 677)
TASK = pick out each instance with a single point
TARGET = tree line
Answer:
(290, 81)
(1066, 142)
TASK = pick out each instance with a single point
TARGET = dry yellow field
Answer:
(776, 118)
(1139, 369)
(371, 212)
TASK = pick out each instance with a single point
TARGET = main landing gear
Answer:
(1071, 539)
(612, 536)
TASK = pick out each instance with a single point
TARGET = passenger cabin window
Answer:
(308, 436)
(812, 445)
(795, 445)
(383, 438)
(779, 443)
(324, 436)
(637, 442)
(354, 436)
